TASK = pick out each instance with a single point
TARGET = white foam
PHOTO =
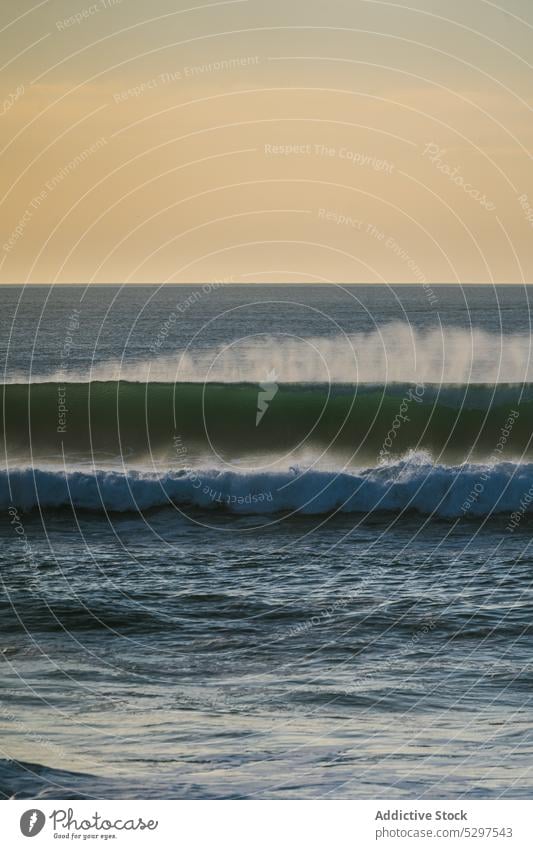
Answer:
(413, 483)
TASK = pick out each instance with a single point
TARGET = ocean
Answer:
(266, 542)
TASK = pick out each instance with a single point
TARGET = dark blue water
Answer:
(215, 651)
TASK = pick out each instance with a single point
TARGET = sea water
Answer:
(266, 542)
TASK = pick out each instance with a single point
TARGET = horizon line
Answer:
(223, 284)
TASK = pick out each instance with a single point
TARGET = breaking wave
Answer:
(413, 483)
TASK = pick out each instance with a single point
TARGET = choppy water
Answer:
(199, 605)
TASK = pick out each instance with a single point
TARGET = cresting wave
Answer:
(176, 423)
(413, 484)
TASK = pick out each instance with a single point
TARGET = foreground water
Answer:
(176, 659)
(363, 630)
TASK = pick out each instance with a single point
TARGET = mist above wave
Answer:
(396, 352)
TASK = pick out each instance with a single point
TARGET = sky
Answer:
(363, 141)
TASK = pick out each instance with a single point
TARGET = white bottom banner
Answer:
(263, 824)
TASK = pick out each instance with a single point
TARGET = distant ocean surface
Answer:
(266, 542)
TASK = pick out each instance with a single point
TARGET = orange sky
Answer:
(349, 141)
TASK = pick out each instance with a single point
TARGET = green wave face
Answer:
(177, 422)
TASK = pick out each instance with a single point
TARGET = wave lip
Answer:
(413, 483)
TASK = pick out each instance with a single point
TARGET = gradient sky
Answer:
(347, 141)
